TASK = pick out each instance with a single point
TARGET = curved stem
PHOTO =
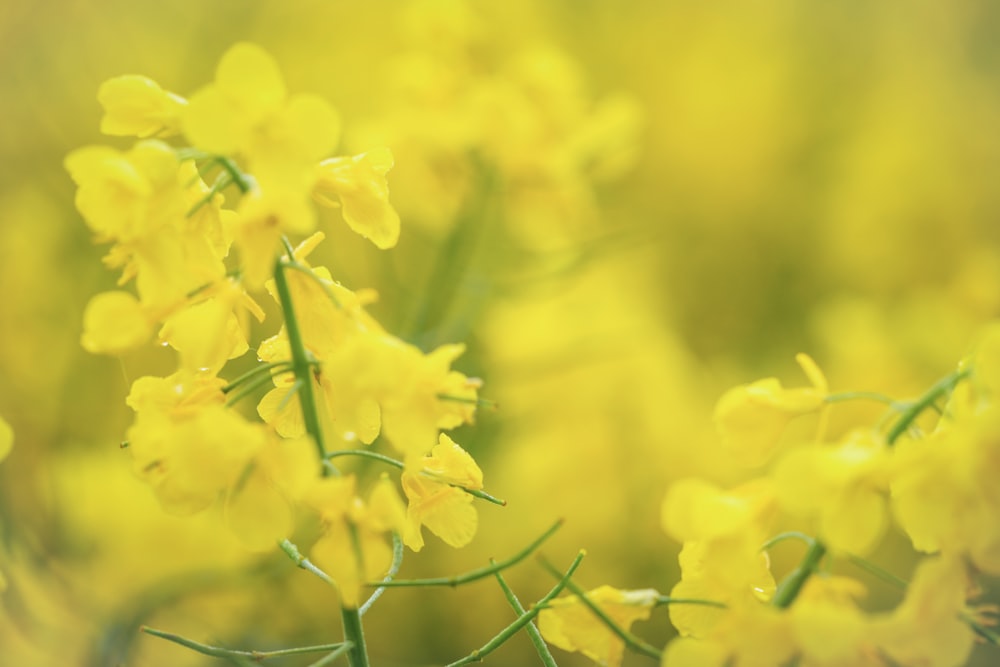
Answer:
(480, 573)
(793, 583)
(219, 652)
(388, 460)
(397, 561)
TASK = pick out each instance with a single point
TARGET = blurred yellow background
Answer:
(692, 195)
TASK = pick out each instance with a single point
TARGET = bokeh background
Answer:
(623, 208)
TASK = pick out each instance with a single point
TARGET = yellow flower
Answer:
(756, 635)
(6, 438)
(722, 532)
(829, 628)
(359, 184)
(353, 548)
(126, 196)
(842, 485)
(751, 418)
(435, 501)
(927, 628)
(246, 110)
(113, 323)
(570, 625)
(136, 106)
(260, 507)
(206, 334)
(185, 443)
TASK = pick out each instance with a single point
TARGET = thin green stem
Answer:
(531, 628)
(986, 633)
(242, 181)
(388, 460)
(782, 537)
(522, 620)
(914, 410)
(301, 363)
(478, 402)
(220, 184)
(480, 573)
(293, 552)
(220, 652)
(666, 599)
(454, 258)
(863, 395)
(368, 454)
(328, 659)
(879, 572)
(252, 387)
(397, 561)
(790, 588)
(254, 372)
(357, 655)
(631, 641)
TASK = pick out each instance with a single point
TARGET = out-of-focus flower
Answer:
(136, 106)
(927, 628)
(752, 417)
(842, 485)
(570, 625)
(353, 548)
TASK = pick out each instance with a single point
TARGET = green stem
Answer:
(388, 460)
(397, 561)
(937, 390)
(293, 552)
(254, 372)
(219, 652)
(220, 184)
(453, 259)
(666, 599)
(790, 588)
(480, 573)
(522, 620)
(252, 387)
(328, 659)
(633, 642)
(239, 178)
(861, 395)
(782, 537)
(357, 655)
(532, 629)
(879, 572)
(301, 364)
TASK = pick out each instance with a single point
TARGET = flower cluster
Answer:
(199, 257)
(732, 606)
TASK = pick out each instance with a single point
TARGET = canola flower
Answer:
(338, 384)
(733, 608)
(198, 256)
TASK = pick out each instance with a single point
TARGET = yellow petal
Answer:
(6, 438)
(251, 79)
(113, 323)
(359, 184)
(137, 106)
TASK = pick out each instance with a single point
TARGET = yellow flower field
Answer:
(425, 332)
